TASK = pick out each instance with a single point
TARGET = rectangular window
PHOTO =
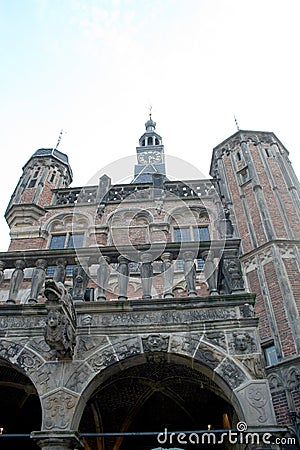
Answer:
(271, 355)
(199, 264)
(66, 241)
(69, 270)
(201, 234)
(182, 235)
(75, 241)
(58, 241)
(244, 175)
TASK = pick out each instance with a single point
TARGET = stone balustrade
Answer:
(117, 193)
(221, 270)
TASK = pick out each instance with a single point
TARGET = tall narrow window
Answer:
(201, 234)
(271, 355)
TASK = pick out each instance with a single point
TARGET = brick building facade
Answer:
(131, 308)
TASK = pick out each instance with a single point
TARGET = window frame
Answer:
(68, 236)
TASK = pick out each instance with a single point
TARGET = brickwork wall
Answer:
(270, 199)
(285, 334)
(260, 309)
(281, 407)
(240, 217)
(294, 278)
(254, 213)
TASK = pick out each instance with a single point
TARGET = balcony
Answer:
(110, 271)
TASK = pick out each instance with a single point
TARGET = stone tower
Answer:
(150, 155)
(46, 170)
(261, 190)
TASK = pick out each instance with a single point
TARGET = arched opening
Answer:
(152, 397)
(20, 409)
(150, 140)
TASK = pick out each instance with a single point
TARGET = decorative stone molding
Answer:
(58, 409)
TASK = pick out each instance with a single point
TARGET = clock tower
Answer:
(150, 155)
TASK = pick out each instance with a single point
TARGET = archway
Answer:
(152, 397)
(20, 409)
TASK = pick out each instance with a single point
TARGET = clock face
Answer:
(150, 157)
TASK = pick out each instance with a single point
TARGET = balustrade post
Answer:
(168, 274)
(80, 281)
(210, 272)
(231, 270)
(103, 274)
(146, 275)
(60, 271)
(16, 281)
(190, 273)
(2, 265)
(38, 279)
(123, 276)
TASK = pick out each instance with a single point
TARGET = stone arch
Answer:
(72, 222)
(129, 212)
(129, 225)
(249, 397)
(21, 410)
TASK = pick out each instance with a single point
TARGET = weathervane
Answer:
(236, 122)
(59, 138)
(150, 111)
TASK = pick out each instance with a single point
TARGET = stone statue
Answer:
(59, 334)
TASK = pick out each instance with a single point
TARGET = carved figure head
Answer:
(241, 341)
(53, 319)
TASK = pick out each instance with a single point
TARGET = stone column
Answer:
(103, 274)
(168, 274)
(16, 281)
(1, 271)
(146, 275)
(38, 279)
(190, 273)
(210, 272)
(80, 281)
(123, 276)
(57, 440)
(60, 271)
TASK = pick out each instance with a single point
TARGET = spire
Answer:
(150, 125)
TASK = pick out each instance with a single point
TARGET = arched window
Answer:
(150, 140)
(156, 141)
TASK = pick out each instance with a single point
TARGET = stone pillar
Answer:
(232, 272)
(123, 276)
(80, 281)
(210, 272)
(16, 281)
(168, 274)
(1, 271)
(103, 274)
(57, 440)
(146, 275)
(60, 271)
(38, 279)
(190, 273)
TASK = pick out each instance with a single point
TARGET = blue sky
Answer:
(93, 67)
